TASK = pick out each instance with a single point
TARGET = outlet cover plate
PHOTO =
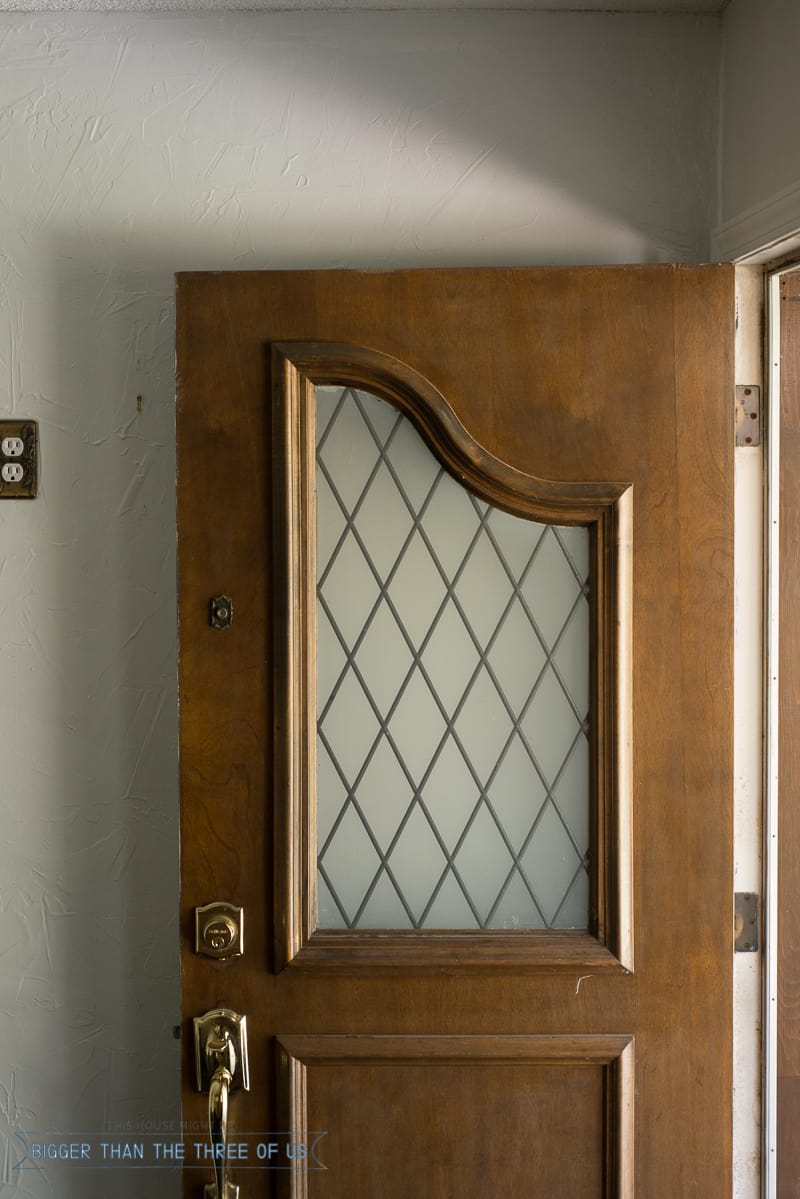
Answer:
(28, 432)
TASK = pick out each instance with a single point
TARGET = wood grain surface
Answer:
(573, 375)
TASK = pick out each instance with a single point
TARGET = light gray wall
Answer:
(759, 145)
(133, 147)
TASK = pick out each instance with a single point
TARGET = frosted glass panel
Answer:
(452, 692)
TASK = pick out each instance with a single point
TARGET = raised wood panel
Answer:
(447, 1117)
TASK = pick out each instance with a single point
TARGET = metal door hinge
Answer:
(746, 922)
(748, 415)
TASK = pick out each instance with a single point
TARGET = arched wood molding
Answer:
(606, 510)
(297, 364)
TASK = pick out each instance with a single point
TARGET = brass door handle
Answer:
(219, 1048)
(220, 1043)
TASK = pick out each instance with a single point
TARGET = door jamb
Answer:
(771, 709)
(773, 262)
(748, 746)
(778, 265)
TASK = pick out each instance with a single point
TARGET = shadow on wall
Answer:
(394, 139)
(107, 507)
(140, 146)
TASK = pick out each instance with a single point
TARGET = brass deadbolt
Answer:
(219, 930)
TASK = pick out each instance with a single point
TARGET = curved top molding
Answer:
(299, 364)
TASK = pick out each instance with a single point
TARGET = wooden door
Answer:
(502, 1059)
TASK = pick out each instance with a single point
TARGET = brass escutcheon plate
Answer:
(219, 930)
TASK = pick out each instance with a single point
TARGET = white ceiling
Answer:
(562, 6)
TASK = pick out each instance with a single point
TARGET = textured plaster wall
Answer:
(759, 191)
(135, 146)
(760, 147)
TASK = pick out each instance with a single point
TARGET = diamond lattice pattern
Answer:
(453, 692)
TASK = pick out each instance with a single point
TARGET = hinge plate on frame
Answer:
(748, 415)
(746, 926)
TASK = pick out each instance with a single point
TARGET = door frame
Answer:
(749, 673)
(757, 848)
(776, 647)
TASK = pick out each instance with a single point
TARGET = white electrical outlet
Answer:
(19, 459)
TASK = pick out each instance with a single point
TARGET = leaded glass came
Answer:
(452, 692)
